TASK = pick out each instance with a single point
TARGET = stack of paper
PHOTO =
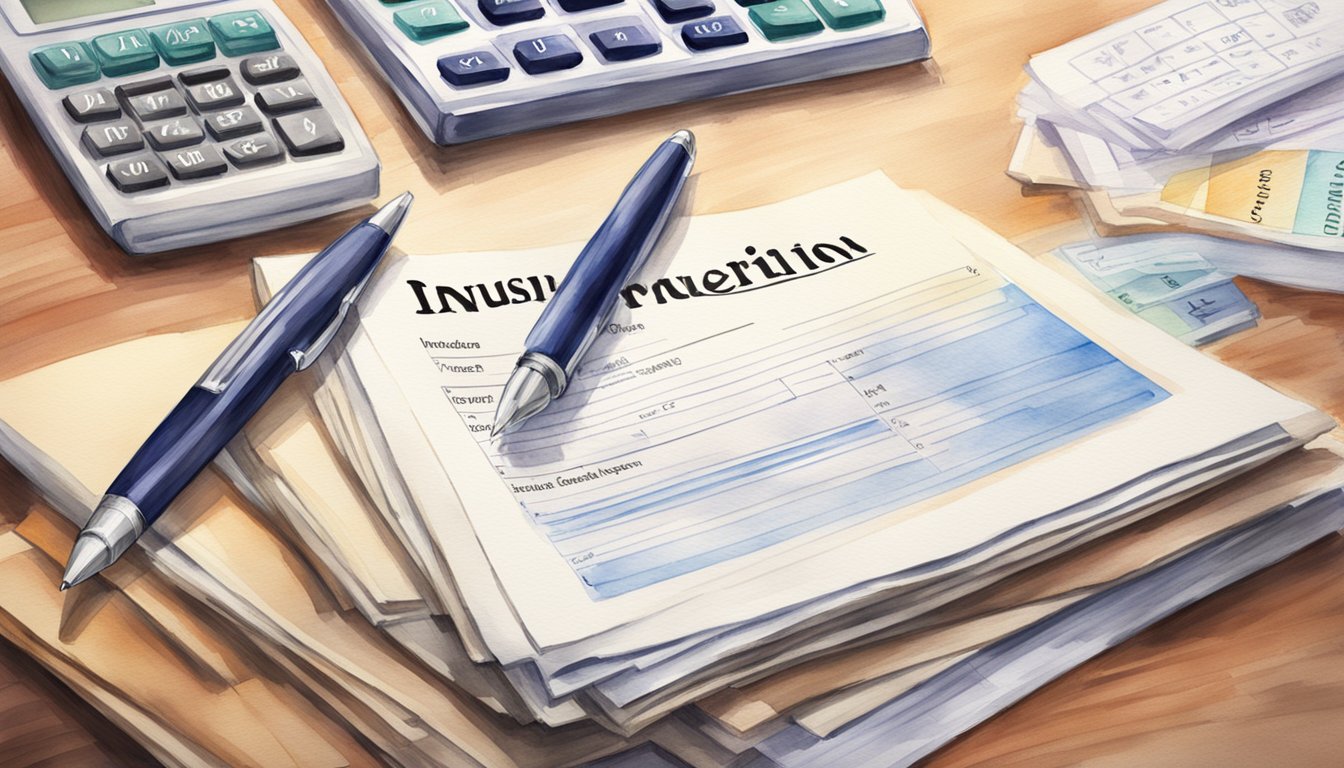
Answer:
(1217, 116)
(746, 479)
(1178, 291)
(830, 458)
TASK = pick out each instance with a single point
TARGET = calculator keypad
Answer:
(157, 129)
(696, 27)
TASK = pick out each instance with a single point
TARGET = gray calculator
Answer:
(470, 69)
(184, 122)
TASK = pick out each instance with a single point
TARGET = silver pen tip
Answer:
(525, 393)
(89, 556)
(389, 217)
(686, 139)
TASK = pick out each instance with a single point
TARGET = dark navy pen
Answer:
(583, 302)
(288, 334)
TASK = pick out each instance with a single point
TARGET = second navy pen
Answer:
(581, 305)
(293, 328)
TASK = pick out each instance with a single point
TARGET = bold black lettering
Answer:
(419, 289)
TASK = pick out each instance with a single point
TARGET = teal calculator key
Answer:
(65, 64)
(125, 52)
(848, 14)
(429, 21)
(783, 19)
(184, 42)
(243, 32)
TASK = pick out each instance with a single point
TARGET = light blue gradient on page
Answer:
(962, 396)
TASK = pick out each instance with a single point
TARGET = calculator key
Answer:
(127, 90)
(125, 52)
(183, 42)
(677, 11)
(310, 133)
(215, 95)
(584, 5)
(286, 97)
(174, 134)
(848, 14)
(203, 75)
(429, 21)
(232, 123)
(242, 33)
(505, 12)
(64, 64)
(195, 163)
(113, 138)
(474, 68)
(718, 32)
(253, 151)
(784, 19)
(92, 105)
(749, 3)
(271, 68)
(157, 105)
(547, 54)
(625, 43)
(134, 174)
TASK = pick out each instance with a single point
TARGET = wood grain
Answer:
(1251, 677)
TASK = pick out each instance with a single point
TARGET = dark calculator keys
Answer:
(232, 123)
(547, 54)
(253, 151)
(271, 68)
(474, 68)
(505, 12)
(203, 75)
(309, 133)
(174, 133)
(286, 97)
(677, 11)
(718, 32)
(127, 90)
(157, 105)
(584, 5)
(195, 162)
(92, 105)
(134, 174)
(116, 138)
(218, 94)
(625, 43)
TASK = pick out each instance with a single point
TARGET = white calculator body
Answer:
(183, 122)
(471, 69)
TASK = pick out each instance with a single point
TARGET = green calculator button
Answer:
(848, 14)
(64, 64)
(428, 21)
(185, 42)
(244, 32)
(784, 19)
(125, 52)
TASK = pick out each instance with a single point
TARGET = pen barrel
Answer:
(190, 437)
(587, 296)
(247, 373)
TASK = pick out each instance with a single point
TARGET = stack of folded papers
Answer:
(1175, 289)
(1220, 117)
(843, 477)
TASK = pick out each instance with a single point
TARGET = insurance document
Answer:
(834, 386)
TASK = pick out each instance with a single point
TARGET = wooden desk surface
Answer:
(1253, 676)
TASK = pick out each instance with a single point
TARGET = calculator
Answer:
(471, 69)
(181, 123)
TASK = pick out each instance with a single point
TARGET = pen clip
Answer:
(303, 358)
